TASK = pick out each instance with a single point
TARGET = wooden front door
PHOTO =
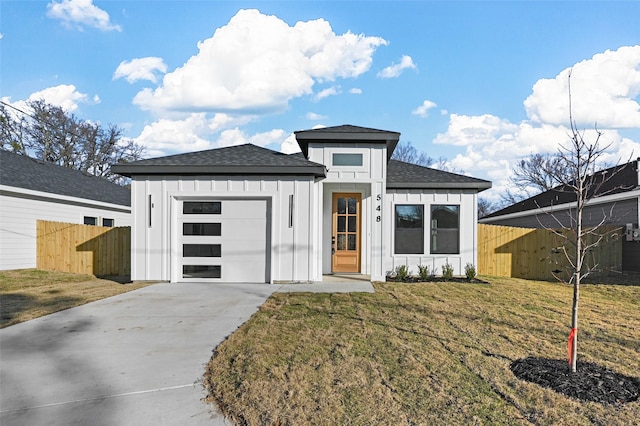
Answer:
(345, 239)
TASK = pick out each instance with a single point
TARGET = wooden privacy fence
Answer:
(83, 249)
(535, 253)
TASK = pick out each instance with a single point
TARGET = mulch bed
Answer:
(591, 382)
(414, 279)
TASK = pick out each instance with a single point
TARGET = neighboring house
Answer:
(32, 190)
(249, 214)
(617, 203)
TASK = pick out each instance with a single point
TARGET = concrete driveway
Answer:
(132, 359)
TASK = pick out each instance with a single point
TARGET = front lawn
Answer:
(30, 293)
(434, 353)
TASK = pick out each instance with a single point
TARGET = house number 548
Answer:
(378, 208)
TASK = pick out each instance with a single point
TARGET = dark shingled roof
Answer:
(25, 172)
(347, 129)
(347, 134)
(240, 159)
(406, 175)
(624, 179)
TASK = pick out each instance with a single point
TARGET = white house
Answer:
(249, 214)
(31, 189)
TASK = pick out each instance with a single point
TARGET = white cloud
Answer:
(314, 116)
(290, 145)
(355, 91)
(604, 90)
(423, 110)
(187, 132)
(81, 13)
(475, 130)
(140, 69)
(395, 70)
(259, 63)
(64, 95)
(167, 136)
(330, 91)
(236, 136)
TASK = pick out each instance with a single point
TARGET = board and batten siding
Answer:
(367, 180)
(467, 200)
(154, 246)
(20, 209)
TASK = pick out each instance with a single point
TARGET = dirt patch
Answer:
(591, 382)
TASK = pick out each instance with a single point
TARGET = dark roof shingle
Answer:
(239, 159)
(25, 172)
(406, 175)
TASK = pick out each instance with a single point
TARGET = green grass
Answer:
(435, 353)
(26, 294)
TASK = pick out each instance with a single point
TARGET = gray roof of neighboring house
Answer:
(234, 160)
(616, 180)
(25, 172)
(401, 175)
(347, 134)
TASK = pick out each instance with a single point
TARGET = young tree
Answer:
(580, 159)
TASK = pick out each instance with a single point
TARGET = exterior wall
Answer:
(467, 200)
(20, 209)
(619, 212)
(368, 180)
(154, 203)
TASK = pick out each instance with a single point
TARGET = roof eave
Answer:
(130, 170)
(479, 186)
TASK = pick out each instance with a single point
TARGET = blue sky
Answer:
(480, 83)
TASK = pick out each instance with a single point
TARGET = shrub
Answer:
(447, 271)
(470, 271)
(423, 272)
(402, 272)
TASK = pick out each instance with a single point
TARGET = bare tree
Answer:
(406, 152)
(12, 137)
(535, 174)
(580, 159)
(485, 207)
(51, 134)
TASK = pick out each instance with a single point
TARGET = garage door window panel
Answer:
(202, 229)
(201, 250)
(202, 207)
(201, 271)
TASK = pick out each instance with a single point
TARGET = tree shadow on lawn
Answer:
(591, 382)
(13, 304)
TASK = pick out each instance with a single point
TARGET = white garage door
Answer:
(223, 241)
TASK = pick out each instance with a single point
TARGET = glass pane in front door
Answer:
(346, 233)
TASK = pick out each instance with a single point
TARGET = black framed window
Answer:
(88, 220)
(201, 250)
(201, 271)
(202, 207)
(204, 229)
(445, 229)
(409, 229)
(107, 222)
